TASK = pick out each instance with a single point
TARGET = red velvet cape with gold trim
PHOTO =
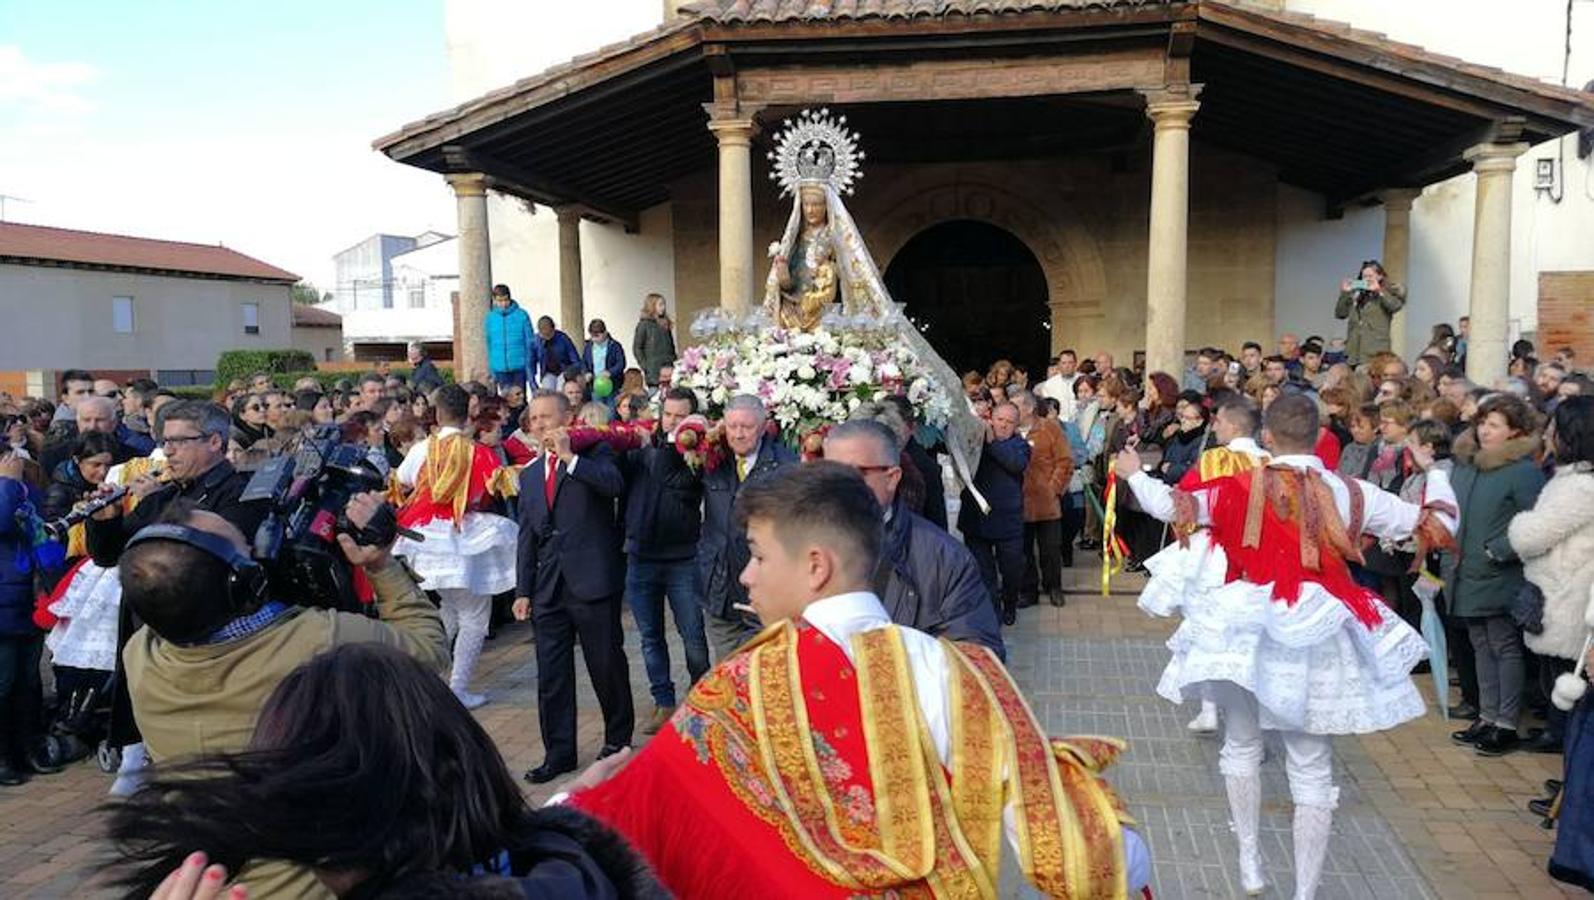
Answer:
(792, 772)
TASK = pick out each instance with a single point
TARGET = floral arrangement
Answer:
(809, 380)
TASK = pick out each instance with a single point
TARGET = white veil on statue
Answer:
(815, 151)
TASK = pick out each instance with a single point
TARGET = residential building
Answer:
(80, 299)
(401, 290)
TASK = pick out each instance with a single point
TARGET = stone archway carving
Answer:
(1076, 278)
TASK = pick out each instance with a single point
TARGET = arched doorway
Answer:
(977, 293)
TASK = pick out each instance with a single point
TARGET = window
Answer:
(122, 315)
(251, 318)
(418, 296)
(328, 354)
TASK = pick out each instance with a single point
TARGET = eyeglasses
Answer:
(178, 440)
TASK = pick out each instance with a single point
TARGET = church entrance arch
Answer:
(903, 205)
(977, 293)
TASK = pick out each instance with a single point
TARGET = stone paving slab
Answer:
(1419, 817)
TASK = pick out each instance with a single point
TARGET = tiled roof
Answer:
(1377, 40)
(737, 11)
(306, 316)
(64, 245)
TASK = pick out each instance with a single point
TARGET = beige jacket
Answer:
(194, 700)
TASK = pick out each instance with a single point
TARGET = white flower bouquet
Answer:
(808, 380)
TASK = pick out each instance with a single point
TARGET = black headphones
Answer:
(247, 586)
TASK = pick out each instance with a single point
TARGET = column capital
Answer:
(567, 214)
(1172, 106)
(733, 131)
(1398, 200)
(1494, 157)
(467, 184)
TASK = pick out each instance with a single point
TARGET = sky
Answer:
(247, 124)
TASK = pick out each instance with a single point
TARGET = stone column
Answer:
(572, 313)
(1170, 111)
(1396, 259)
(735, 137)
(475, 274)
(1491, 260)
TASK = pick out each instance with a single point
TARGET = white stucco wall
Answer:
(492, 43)
(178, 323)
(1526, 37)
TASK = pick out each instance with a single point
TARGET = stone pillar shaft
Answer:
(475, 274)
(1490, 299)
(1396, 260)
(1166, 249)
(572, 310)
(736, 212)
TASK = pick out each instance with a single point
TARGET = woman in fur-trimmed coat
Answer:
(1555, 540)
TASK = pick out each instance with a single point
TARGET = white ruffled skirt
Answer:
(85, 638)
(1311, 666)
(478, 557)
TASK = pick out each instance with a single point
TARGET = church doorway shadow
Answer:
(977, 293)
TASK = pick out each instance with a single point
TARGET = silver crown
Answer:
(813, 148)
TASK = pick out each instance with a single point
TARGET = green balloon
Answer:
(602, 386)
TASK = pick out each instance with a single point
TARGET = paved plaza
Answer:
(1419, 817)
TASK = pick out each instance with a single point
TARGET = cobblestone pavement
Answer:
(1419, 817)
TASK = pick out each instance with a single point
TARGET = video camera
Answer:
(309, 493)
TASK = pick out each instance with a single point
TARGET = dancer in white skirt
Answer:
(469, 554)
(1278, 633)
(1236, 426)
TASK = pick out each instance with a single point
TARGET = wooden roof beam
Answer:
(508, 178)
(1436, 164)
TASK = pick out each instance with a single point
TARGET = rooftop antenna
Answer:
(10, 197)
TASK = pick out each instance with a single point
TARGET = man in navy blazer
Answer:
(569, 582)
(996, 538)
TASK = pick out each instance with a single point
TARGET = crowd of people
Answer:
(568, 486)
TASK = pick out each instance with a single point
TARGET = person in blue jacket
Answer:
(552, 352)
(23, 549)
(603, 356)
(509, 339)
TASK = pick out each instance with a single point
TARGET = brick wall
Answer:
(1566, 315)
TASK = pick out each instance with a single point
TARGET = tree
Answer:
(307, 293)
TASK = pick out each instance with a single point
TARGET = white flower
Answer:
(806, 371)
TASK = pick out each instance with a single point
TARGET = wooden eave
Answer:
(1339, 111)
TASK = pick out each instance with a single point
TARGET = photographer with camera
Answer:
(216, 641)
(194, 439)
(1368, 303)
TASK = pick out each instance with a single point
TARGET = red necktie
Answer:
(551, 464)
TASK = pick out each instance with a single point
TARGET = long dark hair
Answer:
(362, 761)
(1574, 430)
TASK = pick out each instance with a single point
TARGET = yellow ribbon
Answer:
(1112, 547)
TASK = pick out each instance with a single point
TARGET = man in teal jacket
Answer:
(508, 333)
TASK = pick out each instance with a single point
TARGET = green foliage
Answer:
(307, 293)
(240, 364)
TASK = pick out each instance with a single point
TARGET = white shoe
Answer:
(469, 700)
(130, 775)
(1206, 721)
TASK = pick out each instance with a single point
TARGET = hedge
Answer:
(236, 365)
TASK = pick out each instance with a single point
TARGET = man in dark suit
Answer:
(569, 583)
(996, 538)
(722, 553)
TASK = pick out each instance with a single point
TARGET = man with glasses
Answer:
(927, 580)
(194, 439)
